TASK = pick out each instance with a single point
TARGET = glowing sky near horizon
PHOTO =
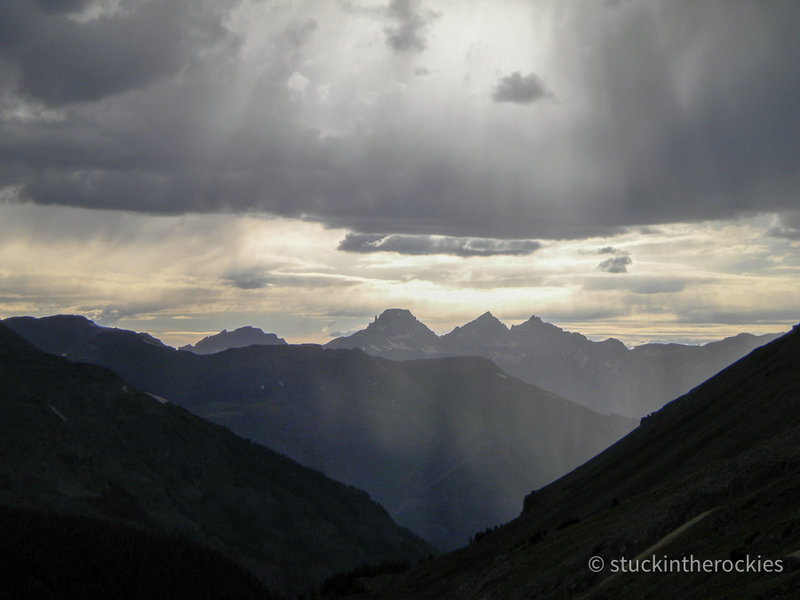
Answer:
(623, 169)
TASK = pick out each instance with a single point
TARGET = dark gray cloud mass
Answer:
(407, 32)
(676, 111)
(519, 89)
(617, 263)
(62, 5)
(421, 244)
(57, 60)
(787, 226)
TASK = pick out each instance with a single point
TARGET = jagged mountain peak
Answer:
(238, 338)
(396, 315)
(394, 330)
(487, 327)
(489, 319)
(537, 329)
(393, 321)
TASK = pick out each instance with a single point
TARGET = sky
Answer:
(626, 168)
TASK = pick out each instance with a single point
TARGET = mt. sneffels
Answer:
(79, 441)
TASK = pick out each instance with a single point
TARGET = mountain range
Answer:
(702, 495)
(605, 376)
(83, 451)
(238, 338)
(449, 446)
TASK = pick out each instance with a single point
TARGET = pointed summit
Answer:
(398, 321)
(395, 331)
(486, 322)
(485, 330)
(536, 331)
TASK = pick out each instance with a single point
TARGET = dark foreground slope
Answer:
(449, 446)
(57, 556)
(715, 475)
(76, 439)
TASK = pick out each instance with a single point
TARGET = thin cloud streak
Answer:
(416, 245)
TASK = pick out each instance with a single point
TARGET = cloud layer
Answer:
(664, 112)
(422, 245)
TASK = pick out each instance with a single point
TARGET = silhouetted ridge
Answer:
(77, 439)
(604, 376)
(448, 446)
(239, 338)
(713, 475)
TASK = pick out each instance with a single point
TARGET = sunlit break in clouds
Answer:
(618, 168)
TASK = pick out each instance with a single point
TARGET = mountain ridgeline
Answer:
(238, 338)
(449, 446)
(78, 443)
(713, 476)
(604, 376)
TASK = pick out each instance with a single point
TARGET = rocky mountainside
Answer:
(713, 476)
(449, 445)
(238, 338)
(397, 334)
(76, 439)
(604, 376)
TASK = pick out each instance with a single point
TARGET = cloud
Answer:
(644, 285)
(58, 60)
(666, 114)
(618, 263)
(786, 226)
(248, 280)
(299, 31)
(519, 89)
(62, 5)
(421, 244)
(407, 33)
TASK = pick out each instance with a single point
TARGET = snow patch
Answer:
(58, 413)
(159, 398)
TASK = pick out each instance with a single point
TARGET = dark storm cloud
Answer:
(407, 32)
(61, 61)
(62, 5)
(667, 112)
(618, 263)
(421, 245)
(519, 89)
